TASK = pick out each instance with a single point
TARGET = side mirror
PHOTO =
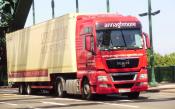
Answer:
(88, 43)
(147, 40)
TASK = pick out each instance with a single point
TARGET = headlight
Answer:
(143, 76)
(102, 78)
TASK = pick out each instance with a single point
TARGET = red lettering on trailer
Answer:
(31, 73)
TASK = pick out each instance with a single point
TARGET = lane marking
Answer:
(5, 90)
(67, 99)
(34, 108)
(8, 94)
(125, 100)
(122, 105)
(8, 103)
(53, 103)
(167, 93)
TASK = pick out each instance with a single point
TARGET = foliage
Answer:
(3, 74)
(164, 60)
(7, 8)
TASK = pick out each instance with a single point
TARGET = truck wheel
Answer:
(86, 90)
(28, 89)
(21, 89)
(59, 89)
(133, 95)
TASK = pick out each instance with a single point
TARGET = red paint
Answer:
(42, 87)
(30, 73)
(92, 65)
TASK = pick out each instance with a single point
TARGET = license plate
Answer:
(124, 90)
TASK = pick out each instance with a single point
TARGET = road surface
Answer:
(10, 99)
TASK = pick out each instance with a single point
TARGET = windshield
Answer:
(119, 39)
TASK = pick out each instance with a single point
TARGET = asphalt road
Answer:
(10, 99)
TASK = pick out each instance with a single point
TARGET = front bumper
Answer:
(114, 90)
(138, 83)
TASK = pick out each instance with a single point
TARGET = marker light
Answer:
(143, 76)
(102, 78)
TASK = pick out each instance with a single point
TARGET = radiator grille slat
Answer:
(123, 76)
(128, 85)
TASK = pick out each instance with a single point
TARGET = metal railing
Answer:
(163, 74)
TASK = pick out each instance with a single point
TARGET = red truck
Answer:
(87, 54)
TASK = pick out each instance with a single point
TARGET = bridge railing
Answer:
(163, 74)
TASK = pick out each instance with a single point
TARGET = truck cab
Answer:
(111, 55)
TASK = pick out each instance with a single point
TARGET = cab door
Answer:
(85, 46)
(89, 47)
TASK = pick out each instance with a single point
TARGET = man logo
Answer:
(123, 63)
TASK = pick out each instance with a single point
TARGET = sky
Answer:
(163, 23)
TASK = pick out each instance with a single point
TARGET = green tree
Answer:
(166, 60)
(158, 59)
(7, 8)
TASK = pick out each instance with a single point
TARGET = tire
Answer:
(86, 90)
(59, 89)
(133, 95)
(21, 89)
(28, 89)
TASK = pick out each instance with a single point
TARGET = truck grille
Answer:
(128, 85)
(123, 76)
(122, 63)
